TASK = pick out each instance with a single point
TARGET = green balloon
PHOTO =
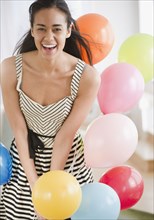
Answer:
(138, 51)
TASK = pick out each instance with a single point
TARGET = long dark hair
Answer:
(73, 43)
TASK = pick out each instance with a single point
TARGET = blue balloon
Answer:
(5, 165)
(99, 201)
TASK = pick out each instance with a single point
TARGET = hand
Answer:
(39, 217)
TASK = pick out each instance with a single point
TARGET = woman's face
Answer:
(50, 31)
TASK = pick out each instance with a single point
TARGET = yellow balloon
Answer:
(138, 51)
(56, 195)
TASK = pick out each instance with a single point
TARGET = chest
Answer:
(46, 90)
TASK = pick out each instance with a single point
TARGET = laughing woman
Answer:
(47, 92)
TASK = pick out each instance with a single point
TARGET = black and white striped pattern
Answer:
(45, 120)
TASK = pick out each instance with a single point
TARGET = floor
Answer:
(135, 215)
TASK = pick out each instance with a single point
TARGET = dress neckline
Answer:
(56, 102)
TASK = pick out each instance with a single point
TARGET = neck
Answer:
(49, 65)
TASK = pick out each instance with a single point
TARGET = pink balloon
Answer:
(110, 140)
(122, 85)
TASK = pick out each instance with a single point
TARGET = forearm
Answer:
(27, 163)
(61, 150)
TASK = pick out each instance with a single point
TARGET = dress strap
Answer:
(76, 78)
(18, 64)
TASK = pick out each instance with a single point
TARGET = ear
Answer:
(69, 31)
(32, 32)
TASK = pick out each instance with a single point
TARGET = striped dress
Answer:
(16, 200)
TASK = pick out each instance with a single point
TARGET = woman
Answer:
(47, 92)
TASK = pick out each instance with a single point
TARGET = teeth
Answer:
(48, 46)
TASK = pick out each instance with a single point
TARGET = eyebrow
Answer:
(54, 25)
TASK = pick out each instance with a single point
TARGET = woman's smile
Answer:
(49, 48)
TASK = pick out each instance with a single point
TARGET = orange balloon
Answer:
(98, 31)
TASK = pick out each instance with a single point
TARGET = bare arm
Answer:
(15, 117)
(87, 93)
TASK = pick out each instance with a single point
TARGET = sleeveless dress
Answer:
(45, 121)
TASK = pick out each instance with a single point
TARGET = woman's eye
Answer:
(57, 29)
(41, 29)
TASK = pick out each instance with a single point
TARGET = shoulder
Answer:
(8, 63)
(90, 76)
(8, 69)
(8, 60)
(89, 82)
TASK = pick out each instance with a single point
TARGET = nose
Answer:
(49, 35)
